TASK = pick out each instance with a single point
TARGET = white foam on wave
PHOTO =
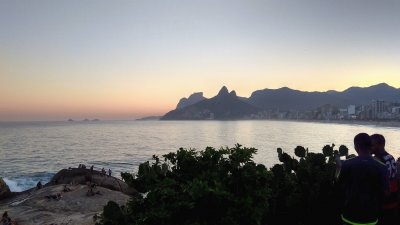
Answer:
(13, 185)
(22, 183)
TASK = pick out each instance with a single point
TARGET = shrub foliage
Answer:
(226, 187)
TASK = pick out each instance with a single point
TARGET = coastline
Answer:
(348, 122)
(354, 122)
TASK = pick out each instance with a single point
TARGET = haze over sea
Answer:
(33, 151)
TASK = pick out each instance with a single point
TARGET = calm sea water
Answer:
(33, 151)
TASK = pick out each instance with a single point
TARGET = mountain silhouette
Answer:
(289, 99)
(193, 99)
(229, 106)
(226, 105)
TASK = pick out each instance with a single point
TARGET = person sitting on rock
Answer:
(90, 192)
(39, 185)
(66, 189)
(5, 219)
(103, 171)
(93, 185)
(55, 197)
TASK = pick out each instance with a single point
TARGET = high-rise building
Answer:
(378, 108)
(351, 110)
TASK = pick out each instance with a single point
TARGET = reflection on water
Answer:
(36, 150)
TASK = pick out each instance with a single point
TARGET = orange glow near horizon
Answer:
(124, 101)
(131, 59)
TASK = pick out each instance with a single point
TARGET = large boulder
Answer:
(4, 189)
(83, 176)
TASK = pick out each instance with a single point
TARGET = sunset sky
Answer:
(127, 59)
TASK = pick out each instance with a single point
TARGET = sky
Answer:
(128, 59)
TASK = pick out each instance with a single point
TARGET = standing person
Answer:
(91, 169)
(398, 183)
(109, 172)
(390, 207)
(363, 183)
(398, 169)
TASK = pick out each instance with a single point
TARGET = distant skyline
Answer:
(128, 59)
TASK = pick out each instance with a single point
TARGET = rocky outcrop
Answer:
(4, 190)
(83, 176)
(193, 99)
(73, 207)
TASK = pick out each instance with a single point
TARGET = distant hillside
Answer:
(289, 99)
(221, 107)
(229, 106)
(147, 118)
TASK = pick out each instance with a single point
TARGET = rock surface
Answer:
(4, 189)
(32, 207)
(74, 207)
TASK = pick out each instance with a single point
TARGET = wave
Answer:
(18, 184)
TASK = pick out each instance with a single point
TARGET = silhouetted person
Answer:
(398, 169)
(57, 196)
(109, 172)
(390, 207)
(91, 169)
(103, 171)
(39, 185)
(363, 183)
(66, 188)
(5, 219)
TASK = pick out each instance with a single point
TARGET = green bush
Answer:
(226, 187)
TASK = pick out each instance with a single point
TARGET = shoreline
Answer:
(393, 123)
(348, 122)
(344, 122)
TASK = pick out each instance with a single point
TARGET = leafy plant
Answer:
(225, 186)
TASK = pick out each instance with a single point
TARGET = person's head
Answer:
(378, 143)
(362, 143)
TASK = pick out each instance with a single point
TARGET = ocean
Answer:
(33, 151)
